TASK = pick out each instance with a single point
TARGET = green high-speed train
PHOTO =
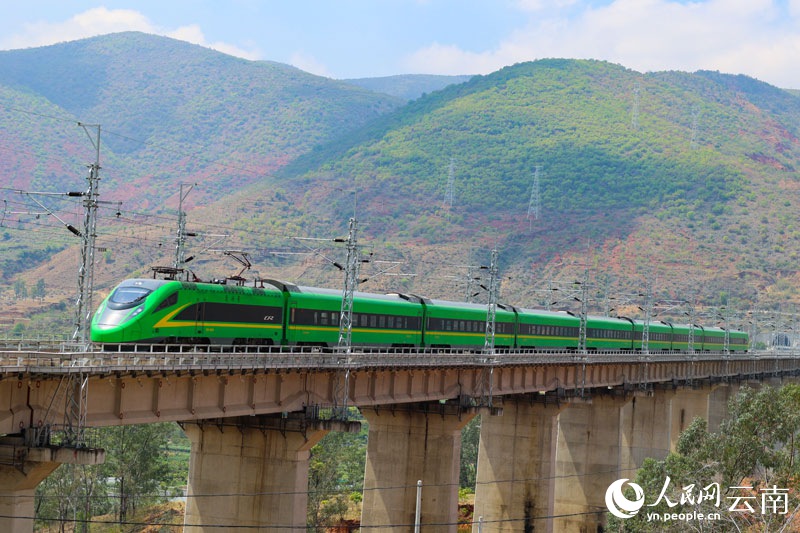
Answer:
(277, 313)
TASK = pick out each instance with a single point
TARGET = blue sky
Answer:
(366, 38)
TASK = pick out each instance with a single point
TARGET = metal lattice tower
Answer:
(88, 236)
(491, 308)
(78, 384)
(635, 107)
(584, 301)
(180, 240)
(534, 204)
(726, 347)
(486, 378)
(690, 314)
(693, 141)
(344, 347)
(648, 313)
(350, 281)
(450, 189)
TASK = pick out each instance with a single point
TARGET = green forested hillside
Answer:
(174, 111)
(409, 86)
(677, 176)
(684, 182)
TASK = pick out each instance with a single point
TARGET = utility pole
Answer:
(180, 240)
(86, 269)
(486, 379)
(78, 383)
(351, 269)
(584, 301)
(491, 308)
(350, 281)
(648, 312)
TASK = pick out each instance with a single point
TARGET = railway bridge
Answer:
(556, 429)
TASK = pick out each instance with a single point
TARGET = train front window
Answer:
(127, 297)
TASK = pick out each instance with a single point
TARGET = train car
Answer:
(278, 313)
(680, 336)
(607, 333)
(659, 335)
(713, 339)
(463, 325)
(175, 312)
(547, 330)
(378, 320)
(739, 341)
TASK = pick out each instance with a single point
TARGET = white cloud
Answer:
(757, 37)
(309, 63)
(87, 24)
(101, 21)
(193, 34)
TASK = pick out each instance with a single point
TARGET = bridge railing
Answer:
(70, 358)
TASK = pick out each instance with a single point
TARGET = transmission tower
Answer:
(449, 191)
(693, 141)
(534, 203)
(635, 108)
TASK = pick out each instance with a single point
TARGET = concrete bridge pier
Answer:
(588, 457)
(22, 468)
(687, 404)
(409, 443)
(252, 471)
(644, 430)
(515, 485)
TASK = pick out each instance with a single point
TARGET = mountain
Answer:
(175, 109)
(678, 183)
(408, 86)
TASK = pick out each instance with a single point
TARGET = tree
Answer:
(336, 474)
(137, 463)
(20, 289)
(38, 290)
(470, 441)
(751, 455)
(136, 467)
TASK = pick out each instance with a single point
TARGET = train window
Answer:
(169, 301)
(323, 318)
(382, 321)
(127, 297)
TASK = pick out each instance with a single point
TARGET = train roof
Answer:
(147, 283)
(544, 312)
(356, 294)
